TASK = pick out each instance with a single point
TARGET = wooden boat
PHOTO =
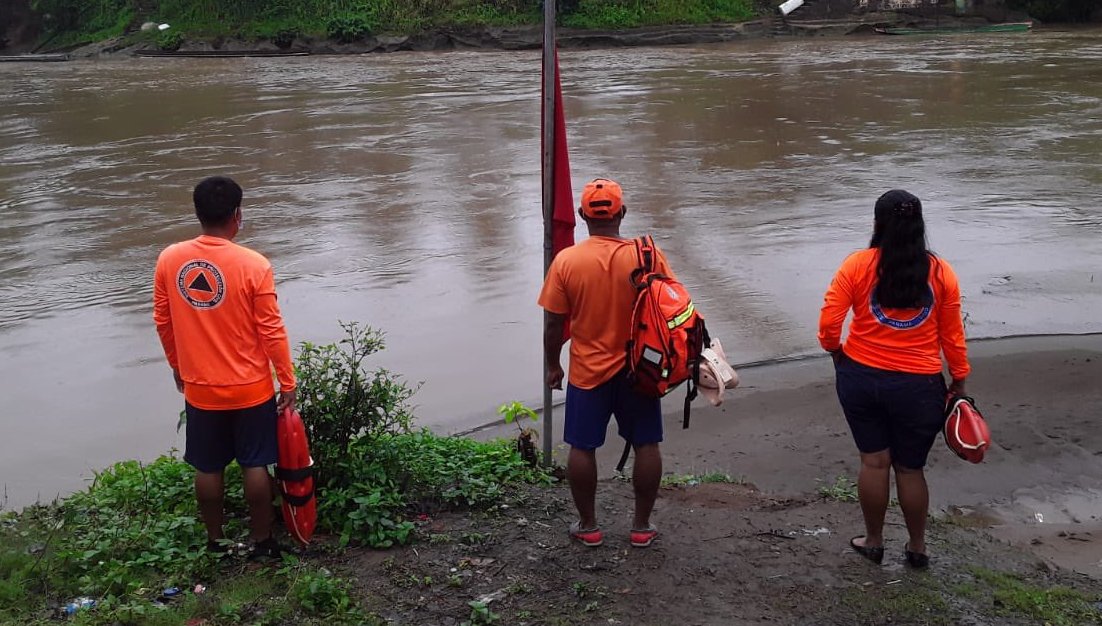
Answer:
(1009, 27)
(221, 54)
(34, 58)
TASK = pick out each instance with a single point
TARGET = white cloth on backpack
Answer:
(716, 374)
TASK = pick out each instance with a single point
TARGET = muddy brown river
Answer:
(402, 191)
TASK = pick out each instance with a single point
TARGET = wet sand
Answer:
(784, 432)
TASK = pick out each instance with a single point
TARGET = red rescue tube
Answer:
(295, 476)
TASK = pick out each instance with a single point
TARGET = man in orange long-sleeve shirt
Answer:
(214, 304)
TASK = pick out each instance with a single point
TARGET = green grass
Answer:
(911, 602)
(1057, 606)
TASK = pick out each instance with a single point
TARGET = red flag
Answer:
(562, 214)
(562, 220)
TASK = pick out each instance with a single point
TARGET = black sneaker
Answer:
(267, 549)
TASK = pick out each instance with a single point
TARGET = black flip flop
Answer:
(916, 560)
(876, 555)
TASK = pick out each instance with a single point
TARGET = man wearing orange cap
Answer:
(214, 304)
(589, 284)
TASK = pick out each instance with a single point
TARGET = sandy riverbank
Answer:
(784, 432)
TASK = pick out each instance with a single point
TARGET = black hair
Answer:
(903, 269)
(216, 200)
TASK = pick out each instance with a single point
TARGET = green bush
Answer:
(348, 28)
(85, 18)
(281, 32)
(342, 402)
(170, 40)
(619, 14)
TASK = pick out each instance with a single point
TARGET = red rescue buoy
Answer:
(965, 430)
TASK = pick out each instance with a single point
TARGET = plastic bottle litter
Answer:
(80, 604)
(171, 592)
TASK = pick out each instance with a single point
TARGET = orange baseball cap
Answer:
(602, 199)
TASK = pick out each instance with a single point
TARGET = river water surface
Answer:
(403, 191)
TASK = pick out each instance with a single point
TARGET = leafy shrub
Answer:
(281, 32)
(610, 14)
(170, 40)
(342, 402)
(88, 18)
(324, 595)
(618, 14)
(348, 27)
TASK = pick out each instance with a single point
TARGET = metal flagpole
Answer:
(548, 189)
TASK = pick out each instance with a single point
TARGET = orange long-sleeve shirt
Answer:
(214, 304)
(902, 340)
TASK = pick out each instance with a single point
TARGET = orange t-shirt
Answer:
(214, 304)
(901, 340)
(591, 284)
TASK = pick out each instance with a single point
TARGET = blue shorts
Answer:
(214, 438)
(894, 411)
(638, 417)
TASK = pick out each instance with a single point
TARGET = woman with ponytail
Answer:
(906, 315)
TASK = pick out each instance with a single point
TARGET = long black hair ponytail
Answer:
(904, 267)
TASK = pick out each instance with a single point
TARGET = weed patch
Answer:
(688, 480)
(842, 490)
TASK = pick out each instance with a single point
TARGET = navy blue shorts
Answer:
(214, 438)
(638, 417)
(894, 411)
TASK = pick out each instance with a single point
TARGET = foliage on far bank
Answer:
(135, 530)
(71, 22)
(1058, 10)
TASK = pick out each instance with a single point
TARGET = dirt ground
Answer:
(769, 548)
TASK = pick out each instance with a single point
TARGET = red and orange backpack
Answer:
(667, 334)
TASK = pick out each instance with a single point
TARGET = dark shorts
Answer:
(214, 438)
(638, 417)
(894, 411)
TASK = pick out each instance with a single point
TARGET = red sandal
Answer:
(642, 538)
(591, 537)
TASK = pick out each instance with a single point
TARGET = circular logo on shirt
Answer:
(900, 323)
(201, 284)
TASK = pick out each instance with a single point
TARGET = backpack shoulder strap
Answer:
(644, 247)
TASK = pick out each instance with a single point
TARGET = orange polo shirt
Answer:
(214, 304)
(902, 340)
(590, 283)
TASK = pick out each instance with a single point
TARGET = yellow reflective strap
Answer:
(682, 317)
